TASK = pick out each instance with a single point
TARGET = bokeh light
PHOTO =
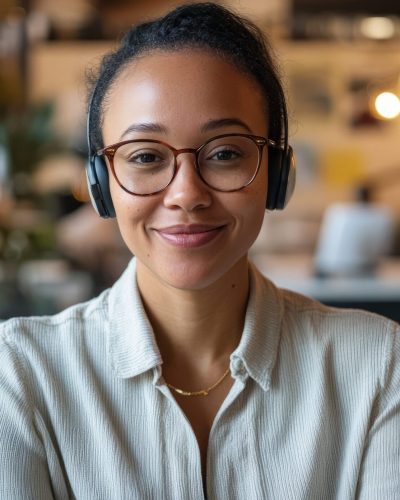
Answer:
(387, 105)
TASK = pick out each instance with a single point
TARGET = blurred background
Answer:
(339, 238)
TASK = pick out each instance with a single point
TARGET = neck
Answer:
(200, 328)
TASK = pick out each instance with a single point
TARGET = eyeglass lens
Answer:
(226, 163)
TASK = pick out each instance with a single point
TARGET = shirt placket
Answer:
(191, 459)
(196, 490)
(218, 451)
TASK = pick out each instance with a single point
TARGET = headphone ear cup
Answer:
(281, 177)
(99, 188)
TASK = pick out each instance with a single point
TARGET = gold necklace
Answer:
(203, 392)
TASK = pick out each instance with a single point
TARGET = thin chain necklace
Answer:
(203, 392)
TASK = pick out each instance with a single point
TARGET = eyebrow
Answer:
(224, 122)
(207, 127)
(144, 127)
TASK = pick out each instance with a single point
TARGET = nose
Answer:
(187, 191)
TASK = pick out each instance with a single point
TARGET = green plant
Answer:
(28, 137)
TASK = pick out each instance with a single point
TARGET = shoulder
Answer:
(38, 353)
(347, 342)
(304, 315)
(42, 332)
(328, 321)
(350, 340)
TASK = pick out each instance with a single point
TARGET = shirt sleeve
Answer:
(380, 469)
(24, 473)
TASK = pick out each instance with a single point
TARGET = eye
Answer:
(224, 153)
(145, 158)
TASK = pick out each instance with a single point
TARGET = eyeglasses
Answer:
(227, 162)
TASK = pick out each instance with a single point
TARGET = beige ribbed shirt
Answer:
(314, 412)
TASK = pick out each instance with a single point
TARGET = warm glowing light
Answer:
(378, 28)
(387, 105)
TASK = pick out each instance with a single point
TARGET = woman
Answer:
(193, 376)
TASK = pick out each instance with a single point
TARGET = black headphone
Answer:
(281, 173)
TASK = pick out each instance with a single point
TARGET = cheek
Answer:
(253, 210)
(257, 192)
(131, 213)
(127, 206)
(253, 218)
(248, 208)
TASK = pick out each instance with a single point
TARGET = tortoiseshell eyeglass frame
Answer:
(260, 142)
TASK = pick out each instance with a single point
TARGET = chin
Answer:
(195, 276)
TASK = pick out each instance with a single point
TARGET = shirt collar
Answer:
(257, 351)
(132, 345)
(133, 348)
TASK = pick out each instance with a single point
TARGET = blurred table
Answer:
(378, 293)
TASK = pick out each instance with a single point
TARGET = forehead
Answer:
(182, 87)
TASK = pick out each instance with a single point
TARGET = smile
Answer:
(191, 236)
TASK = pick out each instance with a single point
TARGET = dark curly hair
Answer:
(198, 25)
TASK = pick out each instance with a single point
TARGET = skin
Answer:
(195, 297)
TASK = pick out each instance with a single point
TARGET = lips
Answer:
(190, 236)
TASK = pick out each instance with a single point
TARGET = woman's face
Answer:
(188, 236)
